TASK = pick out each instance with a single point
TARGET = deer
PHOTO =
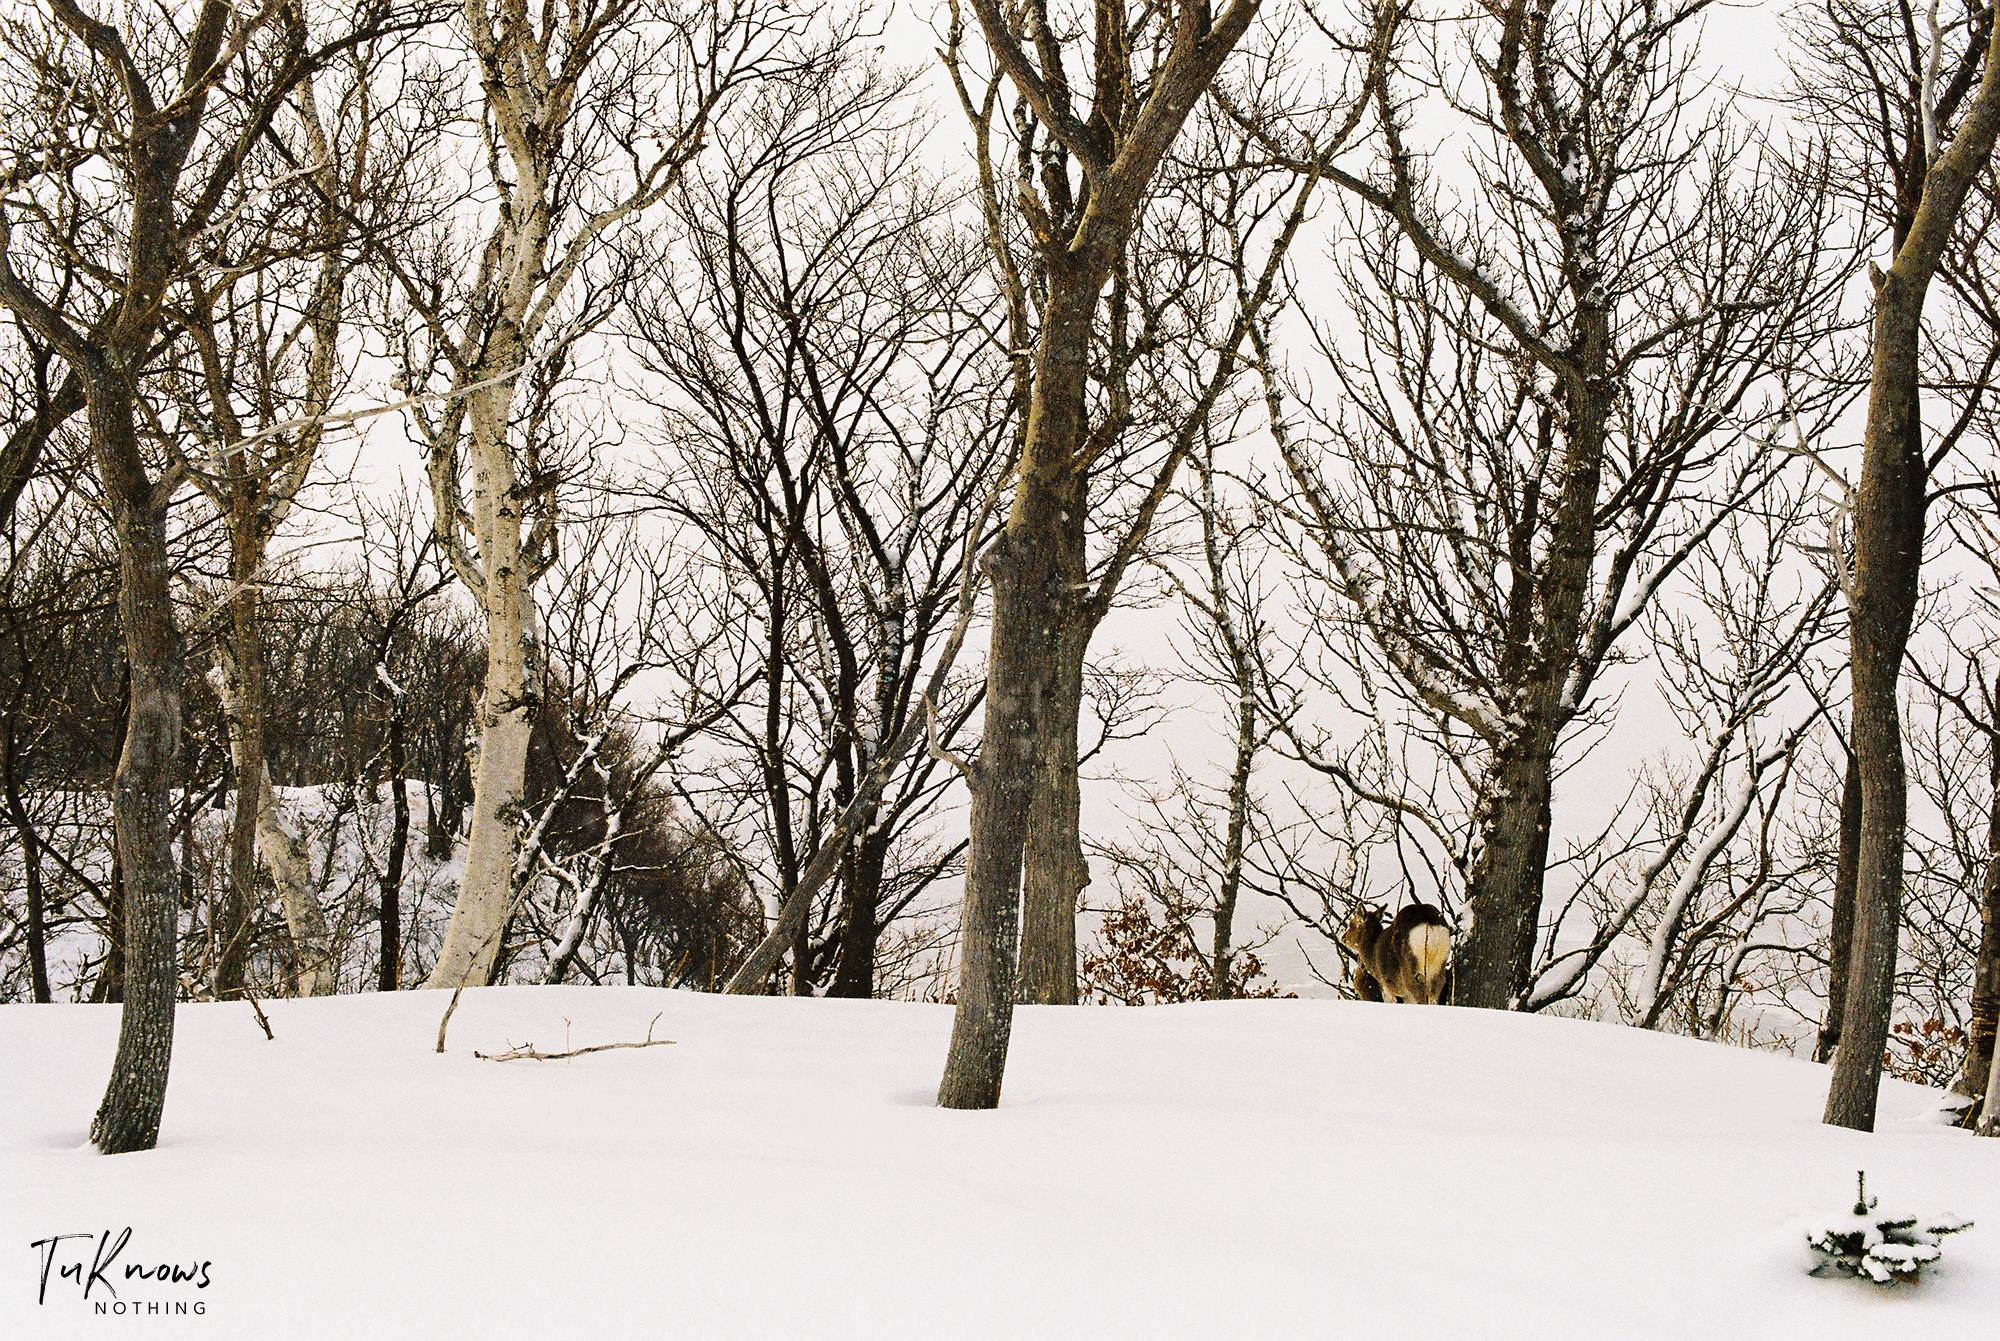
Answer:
(1408, 961)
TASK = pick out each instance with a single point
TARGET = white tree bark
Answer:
(279, 850)
(546, 131)
(504, 585)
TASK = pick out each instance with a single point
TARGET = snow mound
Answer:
(1253, 1169)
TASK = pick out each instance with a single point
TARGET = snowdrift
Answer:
(1258, 1170)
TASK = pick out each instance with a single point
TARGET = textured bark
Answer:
(1505, 882)
(1054, 872)
(239, 891)
(505, 717)
(1120, 152)
(110, 984)
(1888, 555)
(258, 833)
(104, 357)
(1019, 672)
(142, 807)
(1889, 526)
(1023, 686)
(1840, 938)
(1989, 1120)
(861, 899)
(390, 918)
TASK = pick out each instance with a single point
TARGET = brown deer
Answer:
(1410, 960)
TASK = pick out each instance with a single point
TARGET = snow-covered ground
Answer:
(1309, 1169)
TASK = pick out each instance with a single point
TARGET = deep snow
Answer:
(1259, 1170)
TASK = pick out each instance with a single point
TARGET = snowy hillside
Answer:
(1285, 1169)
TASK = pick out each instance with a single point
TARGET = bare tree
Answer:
(1171, 314)
(1742, 667)
(1934, 177)
(171, 114)
(265, 314)
(597, 812)
(819, 339)
(1094, 144)
(591, 109)
(1224, 600)
(1557, 391)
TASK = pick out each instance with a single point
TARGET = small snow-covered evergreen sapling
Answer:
(1881, 1246)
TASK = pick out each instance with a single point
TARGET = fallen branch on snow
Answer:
(528, 1053)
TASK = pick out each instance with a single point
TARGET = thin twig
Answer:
(262, 1018)
(455, 992)
(966, 769)
(528, 1053)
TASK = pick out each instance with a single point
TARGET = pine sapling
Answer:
(1883, 1247)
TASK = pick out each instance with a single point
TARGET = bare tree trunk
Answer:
(1053, 868)
(1019, 670)
(1504, 884)
(861, 901)
(1023, 687)
(142, 807)
(1248, 740)
(506, 721)
(110, 984)
(390, 919)
(1840, 939)
(31, 857)
(239, 890)
(1888, 554)
(1120, 149)
(257, 830)
(17, 811)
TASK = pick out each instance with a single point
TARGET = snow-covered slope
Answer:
(1255, 1170)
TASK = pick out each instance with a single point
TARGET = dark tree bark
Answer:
(1072, 194)
(1889, 509)
(149, 143)
(1054, 871)
(1840, 939)
(861, 929)
(390, 919)
(110, 985)
(142, 806)
(1119, 149)
(104, 361)
(31, 852)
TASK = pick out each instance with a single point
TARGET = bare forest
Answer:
(1007, 502)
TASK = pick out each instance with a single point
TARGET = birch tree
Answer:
(590, 110)
(265, 316)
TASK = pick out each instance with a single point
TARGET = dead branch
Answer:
(528, 1052)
